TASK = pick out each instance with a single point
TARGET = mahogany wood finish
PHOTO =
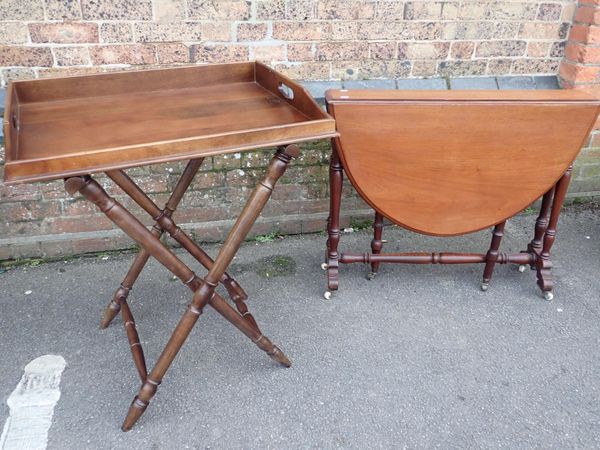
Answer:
(142, 257)
(492, 255)
(206, 292)
(448, 163)
(73, 127)
(80, 125)
(376, 243)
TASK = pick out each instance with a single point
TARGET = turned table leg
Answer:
(205, 293)
(142, 257)
(92, 191)
(376, 243)
(333, 222)
(534, 248)
(543, 263)
(492, 255)
(164, 222)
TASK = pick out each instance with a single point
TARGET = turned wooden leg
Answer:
(534, 248)
(223, 308)
(543, 263)
(137, 352)
(142, 257)
(165, 222)
(492, 255)
(376, 243)
(333, 222)
(206, 291)
(93, 192)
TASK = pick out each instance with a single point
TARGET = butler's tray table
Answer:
(74, 127)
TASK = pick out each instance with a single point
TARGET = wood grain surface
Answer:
(78, 125)
(455, 162)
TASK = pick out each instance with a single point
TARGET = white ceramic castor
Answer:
(324, 266)
(522, 268)
(548, 296)
(371, 276)
(485, 286)
(327, 295)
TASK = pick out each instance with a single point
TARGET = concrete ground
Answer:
(417, 358)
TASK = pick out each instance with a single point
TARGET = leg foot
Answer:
(324, 266)
(136, 410)
(371, 276)
(522, 268)
(376, 243)
(327, 295)
(278, 356)
(111, 311)
(485, 286)
(548, 296)
(114, 307)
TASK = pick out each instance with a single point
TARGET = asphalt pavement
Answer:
(420, 357)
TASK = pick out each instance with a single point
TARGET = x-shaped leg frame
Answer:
(203, 289)
(162, 219)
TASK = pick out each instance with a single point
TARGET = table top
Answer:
(78, 125)
(449, 163)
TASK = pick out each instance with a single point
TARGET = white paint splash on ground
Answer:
(32, 405)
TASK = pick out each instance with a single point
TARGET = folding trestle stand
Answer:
(203, 288)
(537, 255)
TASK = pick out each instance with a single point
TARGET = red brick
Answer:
(586, 34)
(60, 225)
(25, 56)
(587, 15)
(64, 33)
(26, 211)
(19, 192)
(582, 53)
(577, 73)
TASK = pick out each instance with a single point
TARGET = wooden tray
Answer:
(78, 125)
(449, 163)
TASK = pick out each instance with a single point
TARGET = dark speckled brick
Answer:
(218, 9)
(117, 9)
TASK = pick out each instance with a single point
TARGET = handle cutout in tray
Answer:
(286, 91)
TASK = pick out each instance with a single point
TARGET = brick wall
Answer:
(308, 40)
(579, 69)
